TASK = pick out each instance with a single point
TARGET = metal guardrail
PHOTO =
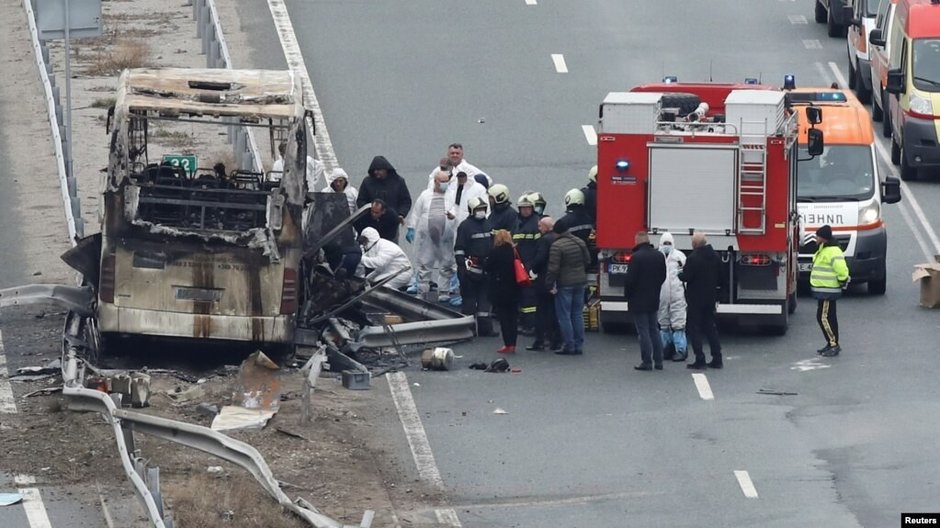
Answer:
(209, 29)
(68, 184)
(145, 479)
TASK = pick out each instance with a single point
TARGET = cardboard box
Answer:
(929, 276)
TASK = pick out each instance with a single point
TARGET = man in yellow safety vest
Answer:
(829, 276)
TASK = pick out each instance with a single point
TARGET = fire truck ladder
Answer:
(752, 184)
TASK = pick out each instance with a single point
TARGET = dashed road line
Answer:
(812, 44)
(747, 486)
(797, 19)
(531, 2)
(589, 134)
(418, 440)
(559, 61)
(32, 502)
(7, 402)
(909, 199)
(704, 389)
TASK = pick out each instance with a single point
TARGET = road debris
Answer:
(439, 358)
(43, 392)
(499, 411)
(776, 392)
(258, 395)
(9, 499)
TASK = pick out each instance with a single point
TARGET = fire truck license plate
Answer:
(618, 268)
(806, 266)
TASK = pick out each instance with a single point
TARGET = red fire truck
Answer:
(715, 158)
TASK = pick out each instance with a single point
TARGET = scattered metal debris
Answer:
(45, 391)
(439, 358)
(776, 392)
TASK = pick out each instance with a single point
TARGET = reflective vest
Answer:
(829, 272)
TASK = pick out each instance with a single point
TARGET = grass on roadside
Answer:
(124, 54)
(236, 501)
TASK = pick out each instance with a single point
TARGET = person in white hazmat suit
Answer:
(338, 181)
(432, 226)
(672, 304)
(382, 258)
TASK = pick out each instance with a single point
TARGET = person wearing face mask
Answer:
(382, 258)
(474, 243)
(339, 182)
(432, 227)
(672, 305)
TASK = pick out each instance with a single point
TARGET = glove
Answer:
(410, 235)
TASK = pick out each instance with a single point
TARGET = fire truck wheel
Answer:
(820, 12)
(791, 303)
(685, 102)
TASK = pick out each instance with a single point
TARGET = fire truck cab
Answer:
(715, 158)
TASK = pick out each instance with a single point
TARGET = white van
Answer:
(880, 56)
(864, 13)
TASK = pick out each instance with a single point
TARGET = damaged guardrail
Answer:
(145, 480)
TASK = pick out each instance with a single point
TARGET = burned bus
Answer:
(190, 246)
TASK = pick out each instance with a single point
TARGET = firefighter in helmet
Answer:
(473, 243)
(579, 223)
(525, 236)
(502, 215)
(590, 195)
(539, 203)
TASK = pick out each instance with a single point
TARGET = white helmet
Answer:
(499, 193)
(592, 174)
(525, 201)
(476, 203)
(574, 197)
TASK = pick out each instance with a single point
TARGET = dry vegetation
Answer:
(233, 501)
(124, 54)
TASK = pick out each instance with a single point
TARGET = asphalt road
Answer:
(587, 441)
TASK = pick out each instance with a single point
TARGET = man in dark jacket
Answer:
(383, 182)
(702, 275)
(546, 326)
(645, 278)
(568, 260)
(502, 215)
(380, 218)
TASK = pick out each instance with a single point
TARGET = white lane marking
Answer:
(809, 364)
(32, 502)
(906, 203)
(7, 403)
(838, 73)
(589, 134)
(909, 198)
(448, 517)
(295, 60)
(559, 61)
(531, 2)
(823, 73)
(812, 44)
(704, 389)
(744, 480)
(418, 439)
(797, 19)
